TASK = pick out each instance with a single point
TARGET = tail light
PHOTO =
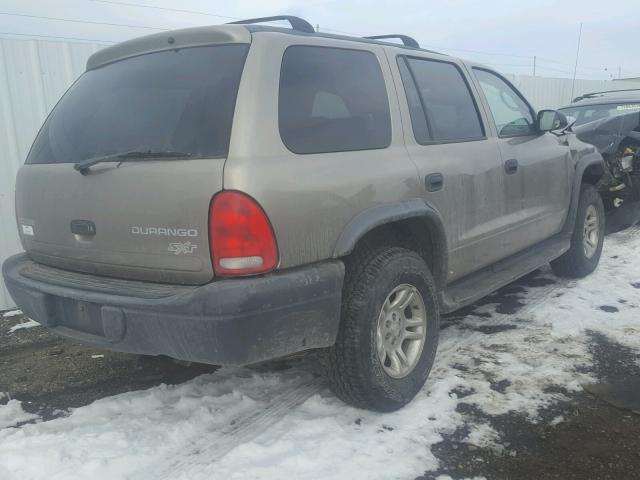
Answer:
(240, 236)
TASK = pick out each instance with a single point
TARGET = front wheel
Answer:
(389, 330)
(588, 237)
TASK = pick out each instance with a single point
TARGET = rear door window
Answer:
(173, 101)
(441, 105)
(332, 100)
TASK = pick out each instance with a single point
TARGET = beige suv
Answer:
(237, 193)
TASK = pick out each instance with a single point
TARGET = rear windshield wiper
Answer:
(84, 165)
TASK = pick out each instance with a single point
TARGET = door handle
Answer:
(511, 166)
(434, 182)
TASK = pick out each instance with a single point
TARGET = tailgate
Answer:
(145, 221)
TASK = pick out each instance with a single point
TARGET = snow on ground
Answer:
(11, 414)
(21, 326)
(242, 423)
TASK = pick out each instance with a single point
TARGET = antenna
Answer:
(575, 69)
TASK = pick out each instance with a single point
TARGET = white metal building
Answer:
(35, 73)
(546, 92)
(33, 76)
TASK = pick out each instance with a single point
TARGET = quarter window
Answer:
(440, 103)
(332, 100)
(511, 114)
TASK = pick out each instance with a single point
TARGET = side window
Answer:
(332, 100)
(511, 114)
(440, 103)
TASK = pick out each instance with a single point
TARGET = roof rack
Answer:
(297, 23)
(406, 40)
(593, 94)
(301, 25)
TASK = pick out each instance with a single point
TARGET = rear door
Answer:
(459, 163)
(536, 166)
(147, 217)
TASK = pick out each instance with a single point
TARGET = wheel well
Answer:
(593, 174)
(417, 234)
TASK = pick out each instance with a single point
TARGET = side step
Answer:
(469, 289)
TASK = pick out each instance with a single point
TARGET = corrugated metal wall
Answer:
(34, 74)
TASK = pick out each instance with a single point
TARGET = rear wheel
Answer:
(588, 237)
(389, 330)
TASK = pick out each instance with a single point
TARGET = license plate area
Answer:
(81, 316)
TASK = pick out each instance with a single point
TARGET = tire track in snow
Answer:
(626, 237)
(205, 451)
(533, 297)
(537, 295)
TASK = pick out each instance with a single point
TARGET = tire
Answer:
(582, 259)
(353, 365)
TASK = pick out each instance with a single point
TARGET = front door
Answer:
(536, 166)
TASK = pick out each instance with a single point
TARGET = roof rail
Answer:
(297, 23)
(593, 94)
(406, 40)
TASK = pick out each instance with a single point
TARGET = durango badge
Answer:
(164, 231)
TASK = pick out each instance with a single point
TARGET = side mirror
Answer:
(550, 120)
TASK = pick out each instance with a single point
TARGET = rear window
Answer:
(332, 100)
(177, 100)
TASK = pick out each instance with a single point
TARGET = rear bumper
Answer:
(228, 322)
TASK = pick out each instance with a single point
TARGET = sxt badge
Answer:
(179, 248)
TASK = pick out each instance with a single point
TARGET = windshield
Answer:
(591, 113)
(172, 101)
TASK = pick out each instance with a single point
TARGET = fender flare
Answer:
(377, 216)
(593, 159)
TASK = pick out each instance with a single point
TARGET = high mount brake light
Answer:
(242, 241)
